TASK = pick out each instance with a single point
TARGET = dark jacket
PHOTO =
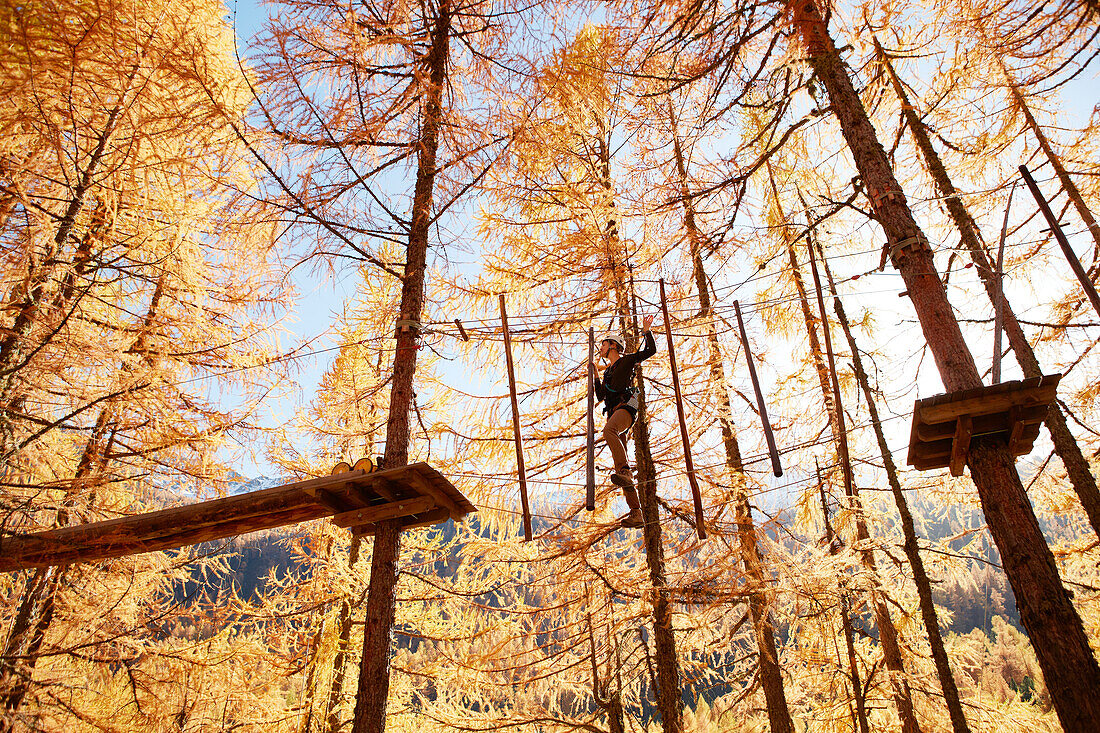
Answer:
(618, 379)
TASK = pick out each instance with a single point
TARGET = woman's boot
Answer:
(623, 477)
(633, 518)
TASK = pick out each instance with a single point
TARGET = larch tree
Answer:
(121, 237)
(1047, 613)
(1065, 444)
(358, 99)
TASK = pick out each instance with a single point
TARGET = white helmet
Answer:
(615, 339)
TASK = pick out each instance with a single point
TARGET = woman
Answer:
(616, 391)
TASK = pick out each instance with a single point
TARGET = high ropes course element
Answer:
(590, 459)
(355, 498)
(358, 497)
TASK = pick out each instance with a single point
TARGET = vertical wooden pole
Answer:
(998, 285)
(1059, 235)
(692, 480)
(777, 468)
(590, 478)
(515, 421)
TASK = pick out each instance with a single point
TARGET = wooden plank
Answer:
(1022, 438)
(434, 516)
(938, 454)
(249, 512)
(983, 424)
(210, 520)
(439, 482)
(515, 423)
(34, 551)
(914, 438)
(960, 446)
(424, 485)
(329, 499)
(987, 400)
(372, 514)
(381, 488)
(430, 517)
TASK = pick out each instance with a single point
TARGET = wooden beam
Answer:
(372, 514)
(424, 486)
(330, 500)
(999, 422)
(696, 496)
(515, 422)
(986, 400)
(88, 546)
(1017, 426)
(773, 451)
(428, 518)
(960, 445)
(433, 516)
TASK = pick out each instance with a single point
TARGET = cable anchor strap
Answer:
(877, 195)
(914, 242)
(405, 326)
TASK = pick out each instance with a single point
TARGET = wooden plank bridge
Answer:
(417, 494)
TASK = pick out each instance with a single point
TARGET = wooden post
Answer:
(998, 284)
(692, 481)
(515, 422)
(590, 485)
(777, 468)
(1059, 235)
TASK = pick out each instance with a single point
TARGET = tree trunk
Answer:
(771, 675)
(912, 549)
(846, 623)
(1061, 645)
(826, 370)
(37, 604)
(31, 295)
(609, 699)
(24, 639)
(310, 692)
(669, 700)
(1065, 445)
(340, 659)
(374, 674)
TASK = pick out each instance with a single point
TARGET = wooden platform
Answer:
(944, 425)
(417, 494)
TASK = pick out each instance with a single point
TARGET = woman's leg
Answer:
(617, 426)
